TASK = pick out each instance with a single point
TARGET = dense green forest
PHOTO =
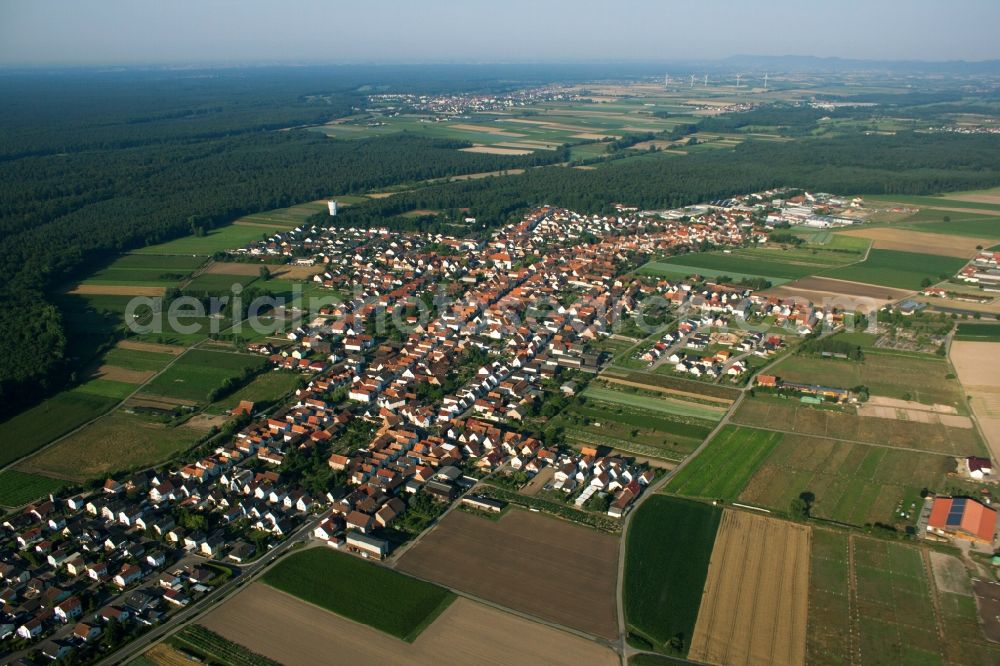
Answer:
(907, 163)
(86, 172)
(94, 163)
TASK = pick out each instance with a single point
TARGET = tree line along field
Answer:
(790, 415)
(873, 601)
(663, 582)
(398, 605)
(922, 379)
(901, 270)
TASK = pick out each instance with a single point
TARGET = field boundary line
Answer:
(925, 558)
(848, 441)
(853, 614)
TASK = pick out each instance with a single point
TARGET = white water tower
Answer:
(332, 206)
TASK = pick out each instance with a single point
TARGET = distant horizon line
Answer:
(368, 62)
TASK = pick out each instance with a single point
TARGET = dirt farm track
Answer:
(542, 566)
(295, 633)
(756, 597)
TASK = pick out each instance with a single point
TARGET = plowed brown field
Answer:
(535, 564)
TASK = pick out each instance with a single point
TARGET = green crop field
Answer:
(830, 624)
(199, 372)
(883, 607)
(851, 483)
(118, 441)
(215, 240)
(978, 332)
(663, 404)
(216, 283)
(632, 429)
(667, 551)
(773, 264)
(902, 270)
(109, 388)
(379, 597)
(146, 271)
(267, 387)
(932, 202)
(36, 427)
(18, 488)
(184, 330)
(135, 359)
(723, 468)
(921, 379)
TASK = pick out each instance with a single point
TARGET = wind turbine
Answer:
(738, 77)
(765, 80)
(692, 80)
(666, 81)
(706, 80)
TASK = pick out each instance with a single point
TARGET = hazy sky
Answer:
(185, 31)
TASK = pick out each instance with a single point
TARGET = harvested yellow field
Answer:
(978, 365)
(906, 240)
(116, 290)
(756, 597)
(294, 632)
(162, 654)
(494, 150)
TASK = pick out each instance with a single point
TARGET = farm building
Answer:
(768, 381)
(367, 546)
(962, 518)
(484, 503)
(979, 467)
